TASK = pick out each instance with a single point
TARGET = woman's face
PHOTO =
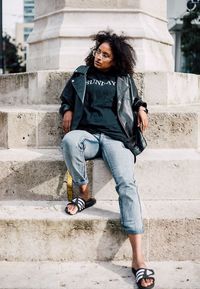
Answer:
(103, 57)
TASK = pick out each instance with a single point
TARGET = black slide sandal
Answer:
(81, 204)
(143, 273)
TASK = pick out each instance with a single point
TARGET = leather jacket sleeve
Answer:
(67, 98)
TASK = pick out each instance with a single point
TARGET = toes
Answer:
(72, 209)
(146, 282)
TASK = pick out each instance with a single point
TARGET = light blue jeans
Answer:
(79, 146)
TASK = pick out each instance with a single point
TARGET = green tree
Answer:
(13, 62)
(190, 41)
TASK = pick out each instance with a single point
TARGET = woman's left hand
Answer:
(142, 119)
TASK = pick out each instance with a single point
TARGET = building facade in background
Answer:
(29, 13)
(24, 29)
(29, 7)
(175, 11)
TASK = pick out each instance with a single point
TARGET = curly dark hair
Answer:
(124, 54)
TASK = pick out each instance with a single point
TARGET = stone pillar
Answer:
(60, 38)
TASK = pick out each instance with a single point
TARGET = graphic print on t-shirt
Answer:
(100, 82)
(100, 105)
(100, 91)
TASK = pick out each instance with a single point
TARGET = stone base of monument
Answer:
(61, 32)
(41, 231)
(41, 246)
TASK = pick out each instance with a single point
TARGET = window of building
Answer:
(27, 31)
(28, 2)
(28, 19)
(29, 11)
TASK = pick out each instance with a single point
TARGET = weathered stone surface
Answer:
(33, 180)
(171, 88)
(172, 167)
(64, 44)
(175, 222)
(30, 175)
(3, 130)
(42, 87)
(168, 174)
(173, 239)
(45, 87)
(33, 126)
(40, 174)
(173, 130)
(50, 130)
(34, 175)
(14, 88)
(56, 235)
(95, 275)
(42, 231)
(21, 129)
(41, 126)
(51, 6)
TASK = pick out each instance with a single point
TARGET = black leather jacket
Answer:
(73, 95)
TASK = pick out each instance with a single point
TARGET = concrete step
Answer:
(41, 87)
(30, 126)
(162, 174)
(95, 275)
(40, 126)
(171, 88)
(174, 126)
(45, 87)
(42, 231)
(39, 174)
(32, 174)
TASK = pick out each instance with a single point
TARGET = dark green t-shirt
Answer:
(100, 105)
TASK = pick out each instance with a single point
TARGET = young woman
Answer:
(101, 114)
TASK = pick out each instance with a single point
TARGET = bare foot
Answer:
(72, 209)
(144, 282)
(84, 194)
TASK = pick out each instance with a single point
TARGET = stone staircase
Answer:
(41, 246)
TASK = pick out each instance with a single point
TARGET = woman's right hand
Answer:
(67, 120)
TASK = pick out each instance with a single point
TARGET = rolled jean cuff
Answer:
(134, 232)
(78, 184)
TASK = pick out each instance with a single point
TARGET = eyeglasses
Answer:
(103, 55)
